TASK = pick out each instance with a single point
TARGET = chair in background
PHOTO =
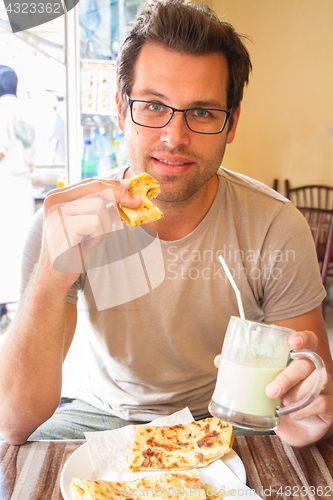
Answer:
(313, 200)
(321, 225)
(311, 196)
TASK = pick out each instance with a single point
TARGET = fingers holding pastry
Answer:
(145, 187)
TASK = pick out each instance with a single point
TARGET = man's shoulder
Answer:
(243, 183)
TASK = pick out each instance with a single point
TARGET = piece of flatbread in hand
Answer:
(180, 446)
(166, 486)
(146, 187)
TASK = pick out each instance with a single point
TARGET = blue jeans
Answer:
(75, 417)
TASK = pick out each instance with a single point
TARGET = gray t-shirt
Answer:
(153, 355)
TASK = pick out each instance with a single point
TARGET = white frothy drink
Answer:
(253, 354)
(241, 388)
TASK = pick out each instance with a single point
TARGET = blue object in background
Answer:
(104, 152)
(89, 167)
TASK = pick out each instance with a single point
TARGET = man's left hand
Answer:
(314, 421)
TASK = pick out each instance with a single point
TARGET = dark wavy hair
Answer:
(188, 28)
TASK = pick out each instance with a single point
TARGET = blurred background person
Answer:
(17, 151)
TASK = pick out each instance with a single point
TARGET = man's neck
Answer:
(181, 218)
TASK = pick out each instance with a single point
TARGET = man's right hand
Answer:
(76, 219)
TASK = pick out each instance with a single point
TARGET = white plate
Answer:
(79, 465)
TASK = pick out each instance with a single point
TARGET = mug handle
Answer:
(317, 386)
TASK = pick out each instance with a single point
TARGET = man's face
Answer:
(182, 161)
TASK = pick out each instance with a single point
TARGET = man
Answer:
(16, 194)
(181, 74)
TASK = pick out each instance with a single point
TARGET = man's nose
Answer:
(176, 133)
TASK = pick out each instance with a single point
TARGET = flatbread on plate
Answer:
(180, 446)
(166, 486)
(146, 187)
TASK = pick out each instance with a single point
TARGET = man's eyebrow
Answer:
(148, 94)
(207, 104)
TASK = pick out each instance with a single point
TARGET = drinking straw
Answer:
(234, 286)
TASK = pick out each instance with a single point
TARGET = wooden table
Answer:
(274, 470)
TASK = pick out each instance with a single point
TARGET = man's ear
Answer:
(121, 118)
(232, 131)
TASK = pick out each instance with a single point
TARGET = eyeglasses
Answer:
(158, 115)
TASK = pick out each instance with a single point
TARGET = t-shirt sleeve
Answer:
(31, 254)
(291, 281)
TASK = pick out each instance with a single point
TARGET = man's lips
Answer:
(172, 163)
(177, 163)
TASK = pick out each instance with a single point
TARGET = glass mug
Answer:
(253, 354)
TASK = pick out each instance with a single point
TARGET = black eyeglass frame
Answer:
(174, 110)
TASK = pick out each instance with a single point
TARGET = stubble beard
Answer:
(176, 189)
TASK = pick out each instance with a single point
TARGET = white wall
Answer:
(288, 104)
